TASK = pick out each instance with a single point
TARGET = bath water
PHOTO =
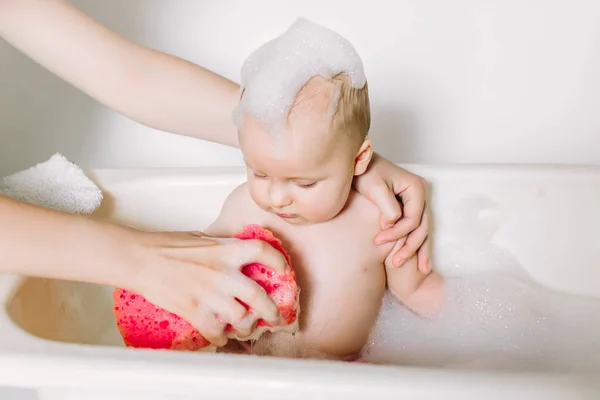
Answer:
(496, 316)
(492, 320)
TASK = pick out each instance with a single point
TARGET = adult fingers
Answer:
(238, 317)
(396, 248)
(414, 206)
(255, 296)
(228, 253)
(259, 251)
(177, 240)
(243, 333)
(424, 257)
(413, 242)
(401, 229)
(210, 327)
(387, 203)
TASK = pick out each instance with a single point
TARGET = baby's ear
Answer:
(363, 157)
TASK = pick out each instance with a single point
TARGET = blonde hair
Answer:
(348, 108)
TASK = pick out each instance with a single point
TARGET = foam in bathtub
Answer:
(274, 73)
(145, 325)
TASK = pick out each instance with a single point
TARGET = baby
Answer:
(303, 121)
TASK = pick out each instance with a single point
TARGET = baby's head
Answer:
(303, 121)
(304, 173)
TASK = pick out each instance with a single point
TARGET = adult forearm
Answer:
(39, 242)
(150, 87)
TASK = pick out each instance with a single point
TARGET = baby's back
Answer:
(339, 269)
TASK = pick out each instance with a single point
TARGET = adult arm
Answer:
(153, 88)
(184, 272)
(40, 242)
(167, 93)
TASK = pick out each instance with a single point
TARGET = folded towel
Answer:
(57, 184)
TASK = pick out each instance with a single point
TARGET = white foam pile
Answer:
(272, 75)
(56, 183)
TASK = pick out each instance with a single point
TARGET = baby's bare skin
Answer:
(299, 186)
(339, 269)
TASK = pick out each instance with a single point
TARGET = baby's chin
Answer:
(300, 220)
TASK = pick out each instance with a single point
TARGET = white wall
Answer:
(450, 81)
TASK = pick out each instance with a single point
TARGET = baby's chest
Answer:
(340, 249)
(323, 253)
(338, 275)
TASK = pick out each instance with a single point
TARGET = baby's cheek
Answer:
(259, 193)
(322, 205)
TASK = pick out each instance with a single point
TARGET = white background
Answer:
(451, 81)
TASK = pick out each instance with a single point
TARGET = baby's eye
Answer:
(306, 185)
(259, 176)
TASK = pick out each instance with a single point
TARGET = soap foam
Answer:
(272, 75)
(492, 321)
(496, 316)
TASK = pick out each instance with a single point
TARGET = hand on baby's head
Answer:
(143, 324)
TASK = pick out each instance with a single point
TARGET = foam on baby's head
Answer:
(343, 110)
(273, 75)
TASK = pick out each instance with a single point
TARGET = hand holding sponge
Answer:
(145, 325)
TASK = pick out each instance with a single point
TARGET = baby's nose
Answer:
(279, 197)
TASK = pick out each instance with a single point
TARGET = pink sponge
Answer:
(144, 325)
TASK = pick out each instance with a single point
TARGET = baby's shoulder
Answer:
(361, 220)
(239, 194)
(237, 210)
(238, 199)
(362, 211)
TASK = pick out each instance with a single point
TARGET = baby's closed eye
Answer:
(306, 184)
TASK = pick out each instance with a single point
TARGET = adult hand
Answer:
(199, 278)
(405, 221)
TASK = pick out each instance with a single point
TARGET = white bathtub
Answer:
(59, 337)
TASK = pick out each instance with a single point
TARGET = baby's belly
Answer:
(341, 291)
(335, 321)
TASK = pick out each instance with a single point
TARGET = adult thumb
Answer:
(389, 208)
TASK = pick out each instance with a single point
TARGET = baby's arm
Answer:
(420, 292)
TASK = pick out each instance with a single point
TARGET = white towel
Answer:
(57, 184)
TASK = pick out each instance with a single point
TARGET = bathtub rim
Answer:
(56, 365)
(113, 177)
(32, 362)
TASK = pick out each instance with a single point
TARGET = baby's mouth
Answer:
(286, 216)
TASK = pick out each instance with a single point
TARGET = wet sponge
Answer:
(144, 325)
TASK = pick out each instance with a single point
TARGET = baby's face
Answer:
(303, 175)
